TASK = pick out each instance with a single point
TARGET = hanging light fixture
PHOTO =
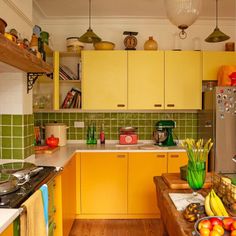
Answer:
(89, 36)
(183, 13)
(217, 36)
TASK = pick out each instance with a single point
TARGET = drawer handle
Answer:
(120, 105)
(157, 105)
(170, 105)
(160, 156)
(120, 156)
(174, 156)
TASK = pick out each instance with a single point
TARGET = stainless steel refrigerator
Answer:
(217, 120)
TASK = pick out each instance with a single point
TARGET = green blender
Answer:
(164, 133)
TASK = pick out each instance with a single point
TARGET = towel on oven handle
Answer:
(44, 191)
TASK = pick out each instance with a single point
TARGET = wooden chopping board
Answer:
(45, 149)
(174, 181)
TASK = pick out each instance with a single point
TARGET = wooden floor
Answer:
(149, 227)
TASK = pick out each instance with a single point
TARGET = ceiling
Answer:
(123, 8)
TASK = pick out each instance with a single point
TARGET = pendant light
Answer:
(89, 36)
(217, 36)
(183, 13)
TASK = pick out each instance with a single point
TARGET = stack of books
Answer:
(65, 73)
(72, 99)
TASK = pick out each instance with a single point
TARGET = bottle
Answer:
(102, 134)
(150, 44)
(94, 140)
(88, 141)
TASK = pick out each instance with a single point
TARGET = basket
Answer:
(225, 190)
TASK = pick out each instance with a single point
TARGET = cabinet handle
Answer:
(170, 105)
(120, 105)
(174, 156)
(120, 156)
(157, 105)
(160, 156)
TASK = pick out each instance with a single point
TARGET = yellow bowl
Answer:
(104, 45)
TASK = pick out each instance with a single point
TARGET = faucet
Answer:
(234, 158)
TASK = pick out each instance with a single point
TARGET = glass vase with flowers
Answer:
(197, 153)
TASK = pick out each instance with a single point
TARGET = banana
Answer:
(220, 204)
(208, 210)
(214, 206)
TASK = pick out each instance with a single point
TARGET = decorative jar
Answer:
(150, 44)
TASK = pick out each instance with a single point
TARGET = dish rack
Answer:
(225, 190)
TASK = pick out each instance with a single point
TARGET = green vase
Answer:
(196, 174)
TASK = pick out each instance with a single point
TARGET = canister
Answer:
(58, 130)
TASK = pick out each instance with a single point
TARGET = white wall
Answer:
(18, 15)
(13, 91)
(13, 94)
(111, 29)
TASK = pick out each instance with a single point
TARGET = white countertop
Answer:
(7, 216)
(61, 157)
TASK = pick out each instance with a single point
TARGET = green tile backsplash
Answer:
(186, 123)
(16, 136)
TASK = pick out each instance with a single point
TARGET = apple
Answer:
(233, 226)
(233, 233)
(205, 224)
(216, 221)
(227, 222)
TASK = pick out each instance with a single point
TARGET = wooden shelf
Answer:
(12, 54)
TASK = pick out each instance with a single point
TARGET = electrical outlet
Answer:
(79, 124)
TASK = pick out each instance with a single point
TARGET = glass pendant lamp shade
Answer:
(89, 36)
(183, 13)
(217, 36)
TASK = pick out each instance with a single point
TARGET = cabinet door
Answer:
(104, 80)
(8, 231)
(176, 160)
(78, 190)
(103, 183)
(145, 80)
(183, 80)
(212, 61)
(68, 180)
(141, 192)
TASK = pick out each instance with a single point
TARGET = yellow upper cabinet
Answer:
(104, 80)
(212, 61)
(104, 183)
(183, 80)
(145, 79)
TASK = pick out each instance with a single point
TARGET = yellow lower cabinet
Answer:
(8, 231)
(176, 160)
(68, 180)
(103, 183)
(142, 167)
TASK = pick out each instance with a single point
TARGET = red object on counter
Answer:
(52, 141)
(128, 136)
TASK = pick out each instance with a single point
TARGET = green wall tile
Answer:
(6, 120)
(6, 142)
(6, 131)
(17, 120)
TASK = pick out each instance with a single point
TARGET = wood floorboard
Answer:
(143, 227)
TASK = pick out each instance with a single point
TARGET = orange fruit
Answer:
(214, 233)
(219, 229)
(204, 232)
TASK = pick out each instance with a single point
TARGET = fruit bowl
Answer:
(226, 223)
(104, 45)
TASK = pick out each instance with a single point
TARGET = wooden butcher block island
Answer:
(172, 220)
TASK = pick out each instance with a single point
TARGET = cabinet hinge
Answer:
(32, 77)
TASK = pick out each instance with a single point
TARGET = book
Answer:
(72, 99)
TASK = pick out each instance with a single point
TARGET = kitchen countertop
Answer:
(61, 157)
(7, 216)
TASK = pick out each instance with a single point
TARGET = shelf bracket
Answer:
(32, 77)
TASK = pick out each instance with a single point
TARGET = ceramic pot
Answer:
(150, 44)
(3, 25)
